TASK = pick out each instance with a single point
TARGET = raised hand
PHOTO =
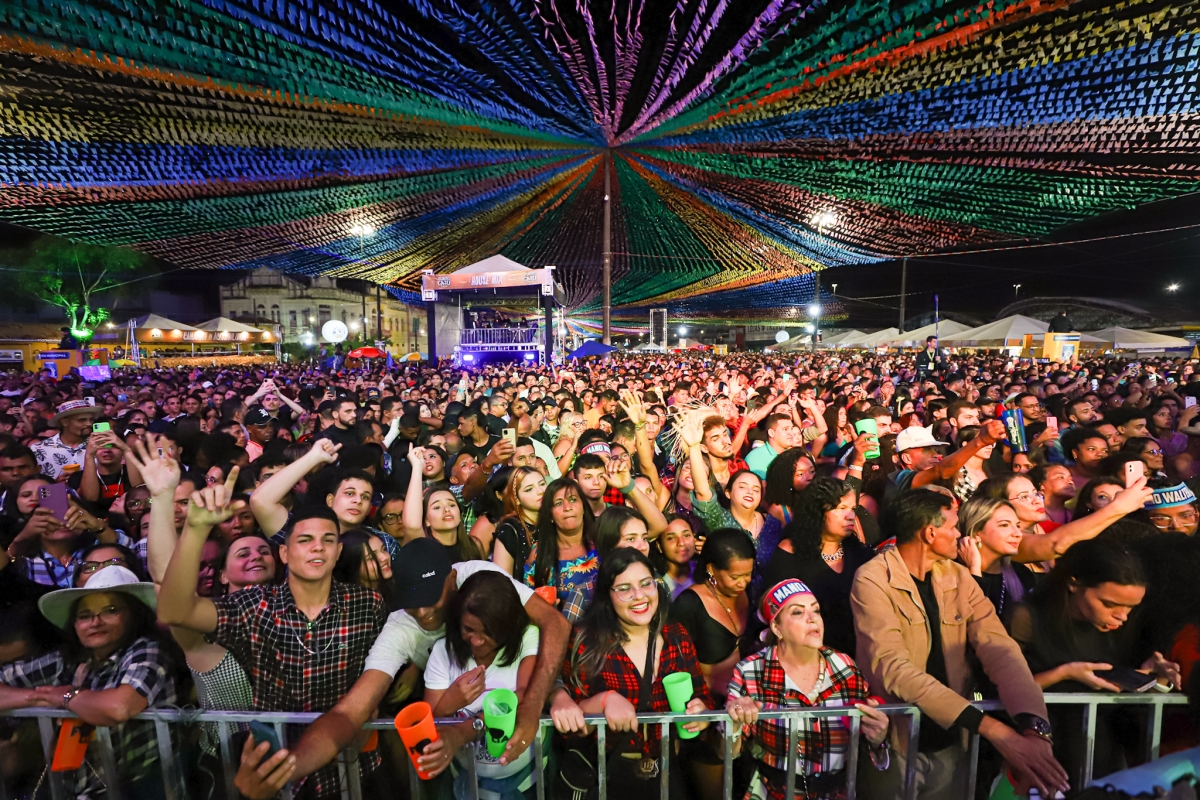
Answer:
(324, 451)
(212, 505)
(152, 457)
(633, 407)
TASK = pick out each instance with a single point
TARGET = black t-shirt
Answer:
(994, 589)
(345, 438)
(111, 486)
(832, 589)
(516, 540)
(479, 451)
(714, 642)
(934, 737)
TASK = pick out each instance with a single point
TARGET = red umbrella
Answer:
(367, 352)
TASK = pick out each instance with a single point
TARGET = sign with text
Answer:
(487, 280)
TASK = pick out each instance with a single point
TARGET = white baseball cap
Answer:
(912, 437)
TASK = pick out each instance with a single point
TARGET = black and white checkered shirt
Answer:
(141, 665)
(300, 665)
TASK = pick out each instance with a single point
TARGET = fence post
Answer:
(1089, 742)
(664, 774)
(1154, 735)
(108, 764)
(46, 728)
(793, 742)
(852, 756)
(281, 734)
(538, 768)
(227, 770)
(910, 765)
(972, 766)
(166, 757)
(602, 758)
(727, 779)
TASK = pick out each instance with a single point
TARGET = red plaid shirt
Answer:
(613, 497)
(620, 675)
(737, 464)
(823, 742)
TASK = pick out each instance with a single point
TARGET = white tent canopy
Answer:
(871, 339)
(496, 263)
(1127, 339)
(226, 325)
(1008, 330)
(841, 339)
(943, 328)
(151, 321)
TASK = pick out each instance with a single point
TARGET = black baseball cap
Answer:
(256, 415)
(420, 573)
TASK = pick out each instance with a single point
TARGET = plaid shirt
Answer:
(467, 510)
(737, 464)
(141, 665)
(613, 497)
(621, 676)
(297, 664)
(47, 570)
(823, 742)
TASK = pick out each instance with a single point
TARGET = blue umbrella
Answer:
(592, 348)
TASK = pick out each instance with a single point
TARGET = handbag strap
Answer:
(647, 683)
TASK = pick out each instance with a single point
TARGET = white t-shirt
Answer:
(441, 671)
(403, 641)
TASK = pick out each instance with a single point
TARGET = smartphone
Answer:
(263, 732)
(1189, 401)
(101, 427)
(54, 497)
(1095, 385)
(510, 435)
(1130, 680)
(122, 398)
(1052, 422)
(1133, 471)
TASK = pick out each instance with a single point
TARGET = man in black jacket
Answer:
(929, 360)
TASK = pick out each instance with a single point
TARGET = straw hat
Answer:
(56, 606)
(73, 408)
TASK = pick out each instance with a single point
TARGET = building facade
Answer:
(303, 304)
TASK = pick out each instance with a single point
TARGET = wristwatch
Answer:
(69, 696)
(1033, 725)
(478, 725)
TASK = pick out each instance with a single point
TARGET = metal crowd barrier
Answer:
(175, 785)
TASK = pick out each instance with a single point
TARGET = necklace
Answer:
(732, 619)
(831, 558)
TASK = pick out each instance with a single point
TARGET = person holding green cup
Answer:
(678, 686)
(481, 670)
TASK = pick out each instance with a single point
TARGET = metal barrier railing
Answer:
(226, 721)
(498, 336)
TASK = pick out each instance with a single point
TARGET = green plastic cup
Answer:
(678, 686)
(869, 426)
(500, 719)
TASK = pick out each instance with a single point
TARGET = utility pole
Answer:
(607, 249)
(817, 306)
(378, 313)
(903, 289)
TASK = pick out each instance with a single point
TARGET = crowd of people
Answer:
(834, 529)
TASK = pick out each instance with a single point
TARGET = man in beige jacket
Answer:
(916, 613)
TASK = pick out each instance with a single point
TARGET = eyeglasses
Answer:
(1027, 497)
(391, 519)
(1155, 452)
(1183, 520)
(627, 591)
(137, 505)
(94, 566)
(106, 614)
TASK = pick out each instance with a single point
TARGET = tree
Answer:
(72, 275)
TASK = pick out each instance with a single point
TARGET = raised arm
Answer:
(178, 603)
(161, 476)
(950, 466)
(691, 433)
(414, 510)
(501, 452)
(656, 523)
(267, 500)
(1048, 546)
(553, 632)
(645, 451)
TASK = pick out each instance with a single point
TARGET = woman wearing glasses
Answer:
(1149, 451)
(1036, 544)
(112, 667)
(618, 656)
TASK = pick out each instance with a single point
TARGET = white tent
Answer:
(227, 325)
(1008, 331)
(841, 339)
(1127, 339)
(871, 339)
(496, 263)
(916, 338)
(151, 321)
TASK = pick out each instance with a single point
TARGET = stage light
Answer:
(823, 220)
(1174, 287)
(814, 310)
(531, 356)
(683, 330)
(468, 358)
(362, 230)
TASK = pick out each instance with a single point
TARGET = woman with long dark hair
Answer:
(618, 656)
(515, 533)
(621, 526)
(787, 477)
(489, 644)
(436, 514)
(821, 548)
(564, 554)
(1080, 621)
(365, 561)
(715, 610)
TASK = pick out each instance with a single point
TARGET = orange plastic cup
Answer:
(73, 740)
(415, 725)
(547, 593)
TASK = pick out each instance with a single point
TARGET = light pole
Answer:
(364, 230)
(822, 221)
(1016, 290)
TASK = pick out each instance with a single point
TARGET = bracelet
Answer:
(628, 489)
(604, 702)
(854, 468)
